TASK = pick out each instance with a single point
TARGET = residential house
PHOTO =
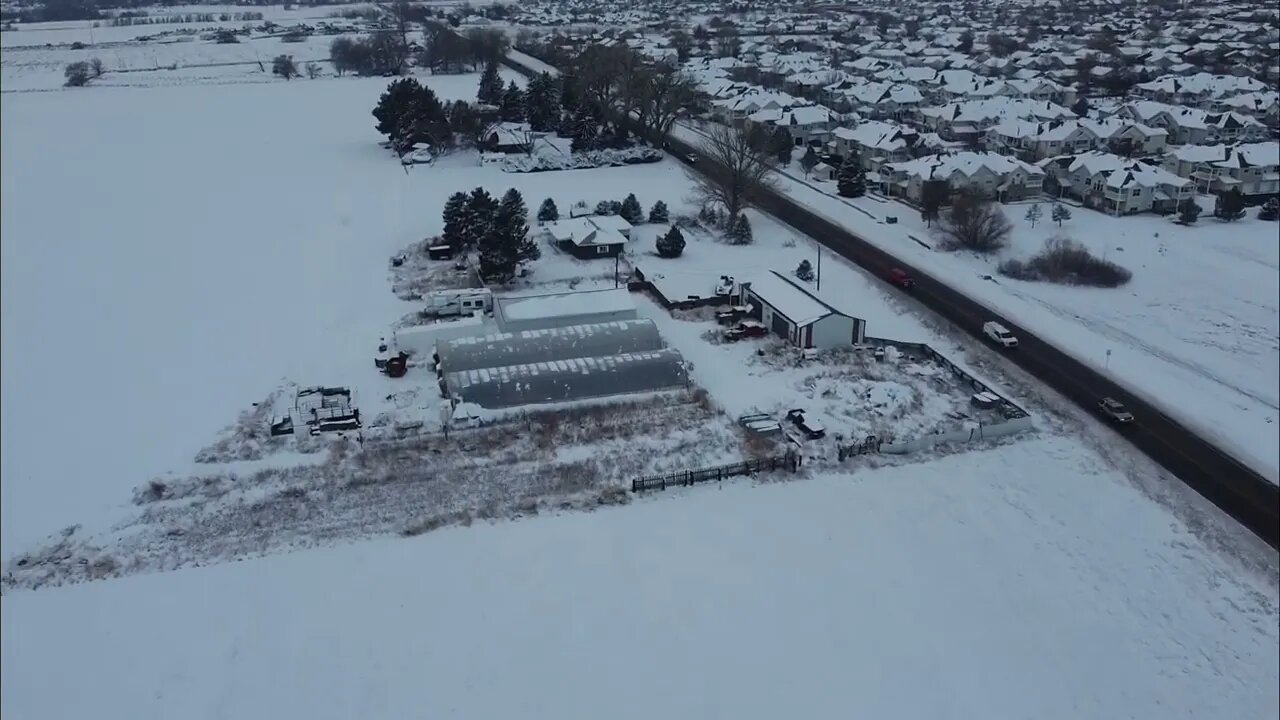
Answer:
(595, 236)
(509, 137)
(1264, 106)
(799, 315)
(969, 119)
(992, 175)
(877, 143)
(1034, 141)
(1118, 185)
(1252, 168)
(807, 124)
(1199, 90)
(875, 100)
(1193, 126)
(734, 110)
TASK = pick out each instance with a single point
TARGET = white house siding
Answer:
(832, 331)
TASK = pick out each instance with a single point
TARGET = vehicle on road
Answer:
(811, 428)
(745, 329)
(1115, 411)
(688, 158)
(899, 277)
(999, 334)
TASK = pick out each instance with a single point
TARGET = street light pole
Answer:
(819, 268)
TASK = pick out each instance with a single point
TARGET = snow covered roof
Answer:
(797, 304)
(593, 230)
(991, 109)
(879, 135)
(1204, 84)
(565, 380)
(943, 165)
(1261, 154)
(1119, 172)
(587, 302)
(535, 346)
(1254, 101)
(805, 115)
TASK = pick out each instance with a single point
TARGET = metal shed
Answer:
(538, 346)
(563, 380)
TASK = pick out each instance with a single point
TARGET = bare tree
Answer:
(738, 174)
(284, 66)
(78, 74)
(974, 223)
(96, 67)
(666, 95)
(313, 70)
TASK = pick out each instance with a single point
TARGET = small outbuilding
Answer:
(567, 380)
(799, 315)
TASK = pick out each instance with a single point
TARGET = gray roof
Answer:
(563, 380)
(540, 346)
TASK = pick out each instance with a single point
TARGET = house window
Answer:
(602, 249)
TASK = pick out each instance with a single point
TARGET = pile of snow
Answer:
(581, 161)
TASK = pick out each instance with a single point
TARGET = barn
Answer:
(798, 315)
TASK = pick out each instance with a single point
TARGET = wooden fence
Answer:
(693, 477)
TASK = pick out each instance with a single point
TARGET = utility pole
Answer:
(616, 261)
(819, 268)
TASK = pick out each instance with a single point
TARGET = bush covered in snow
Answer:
(1066, 261)
(581, 161)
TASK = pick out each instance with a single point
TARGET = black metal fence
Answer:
(693, 477)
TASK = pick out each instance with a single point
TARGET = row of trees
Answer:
(499, 229)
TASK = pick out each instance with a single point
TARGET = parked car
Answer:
(1115, 411)
(745, 329)
(689, 158)
(899, 277)
(811, 428)
(999, 334)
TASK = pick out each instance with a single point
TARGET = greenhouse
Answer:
(543, 346)
(563, 380)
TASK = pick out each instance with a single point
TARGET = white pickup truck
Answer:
(999, 334)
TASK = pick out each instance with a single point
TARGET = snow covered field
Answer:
(1196, 331)
(1026, 581)
(193, 246)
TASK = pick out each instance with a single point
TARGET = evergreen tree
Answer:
(514, 216)
(804, 271)
(393, 103)
(631, 210)
(809, 160)
(1060, 213)
(739, 232)
(548, 212)
(1229, 205)
(490, 92)
(512, 104)
(852, 180)
(671, 245)
(479, 216)
(1188, 212)
(455, 219)
(585, 132)
(506, 243)
(408, 113)
(1034, 213)
(782, 146)
(542, 103)
(659, 213)
(568, 94)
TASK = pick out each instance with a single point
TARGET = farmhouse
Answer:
(597, 236)
(508, 137)
(797, 315)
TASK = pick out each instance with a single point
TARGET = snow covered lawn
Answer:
(1024, 581)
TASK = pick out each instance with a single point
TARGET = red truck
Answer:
(899, 277)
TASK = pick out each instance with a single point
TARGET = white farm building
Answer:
(798, 315)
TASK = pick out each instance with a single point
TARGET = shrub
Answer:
(78, 74)
(804, 271)
(659, 213)
(671, 245)
(974, 223)
(1067, 262)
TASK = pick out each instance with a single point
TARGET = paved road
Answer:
(1237, 490)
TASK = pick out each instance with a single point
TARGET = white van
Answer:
(999, 334)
